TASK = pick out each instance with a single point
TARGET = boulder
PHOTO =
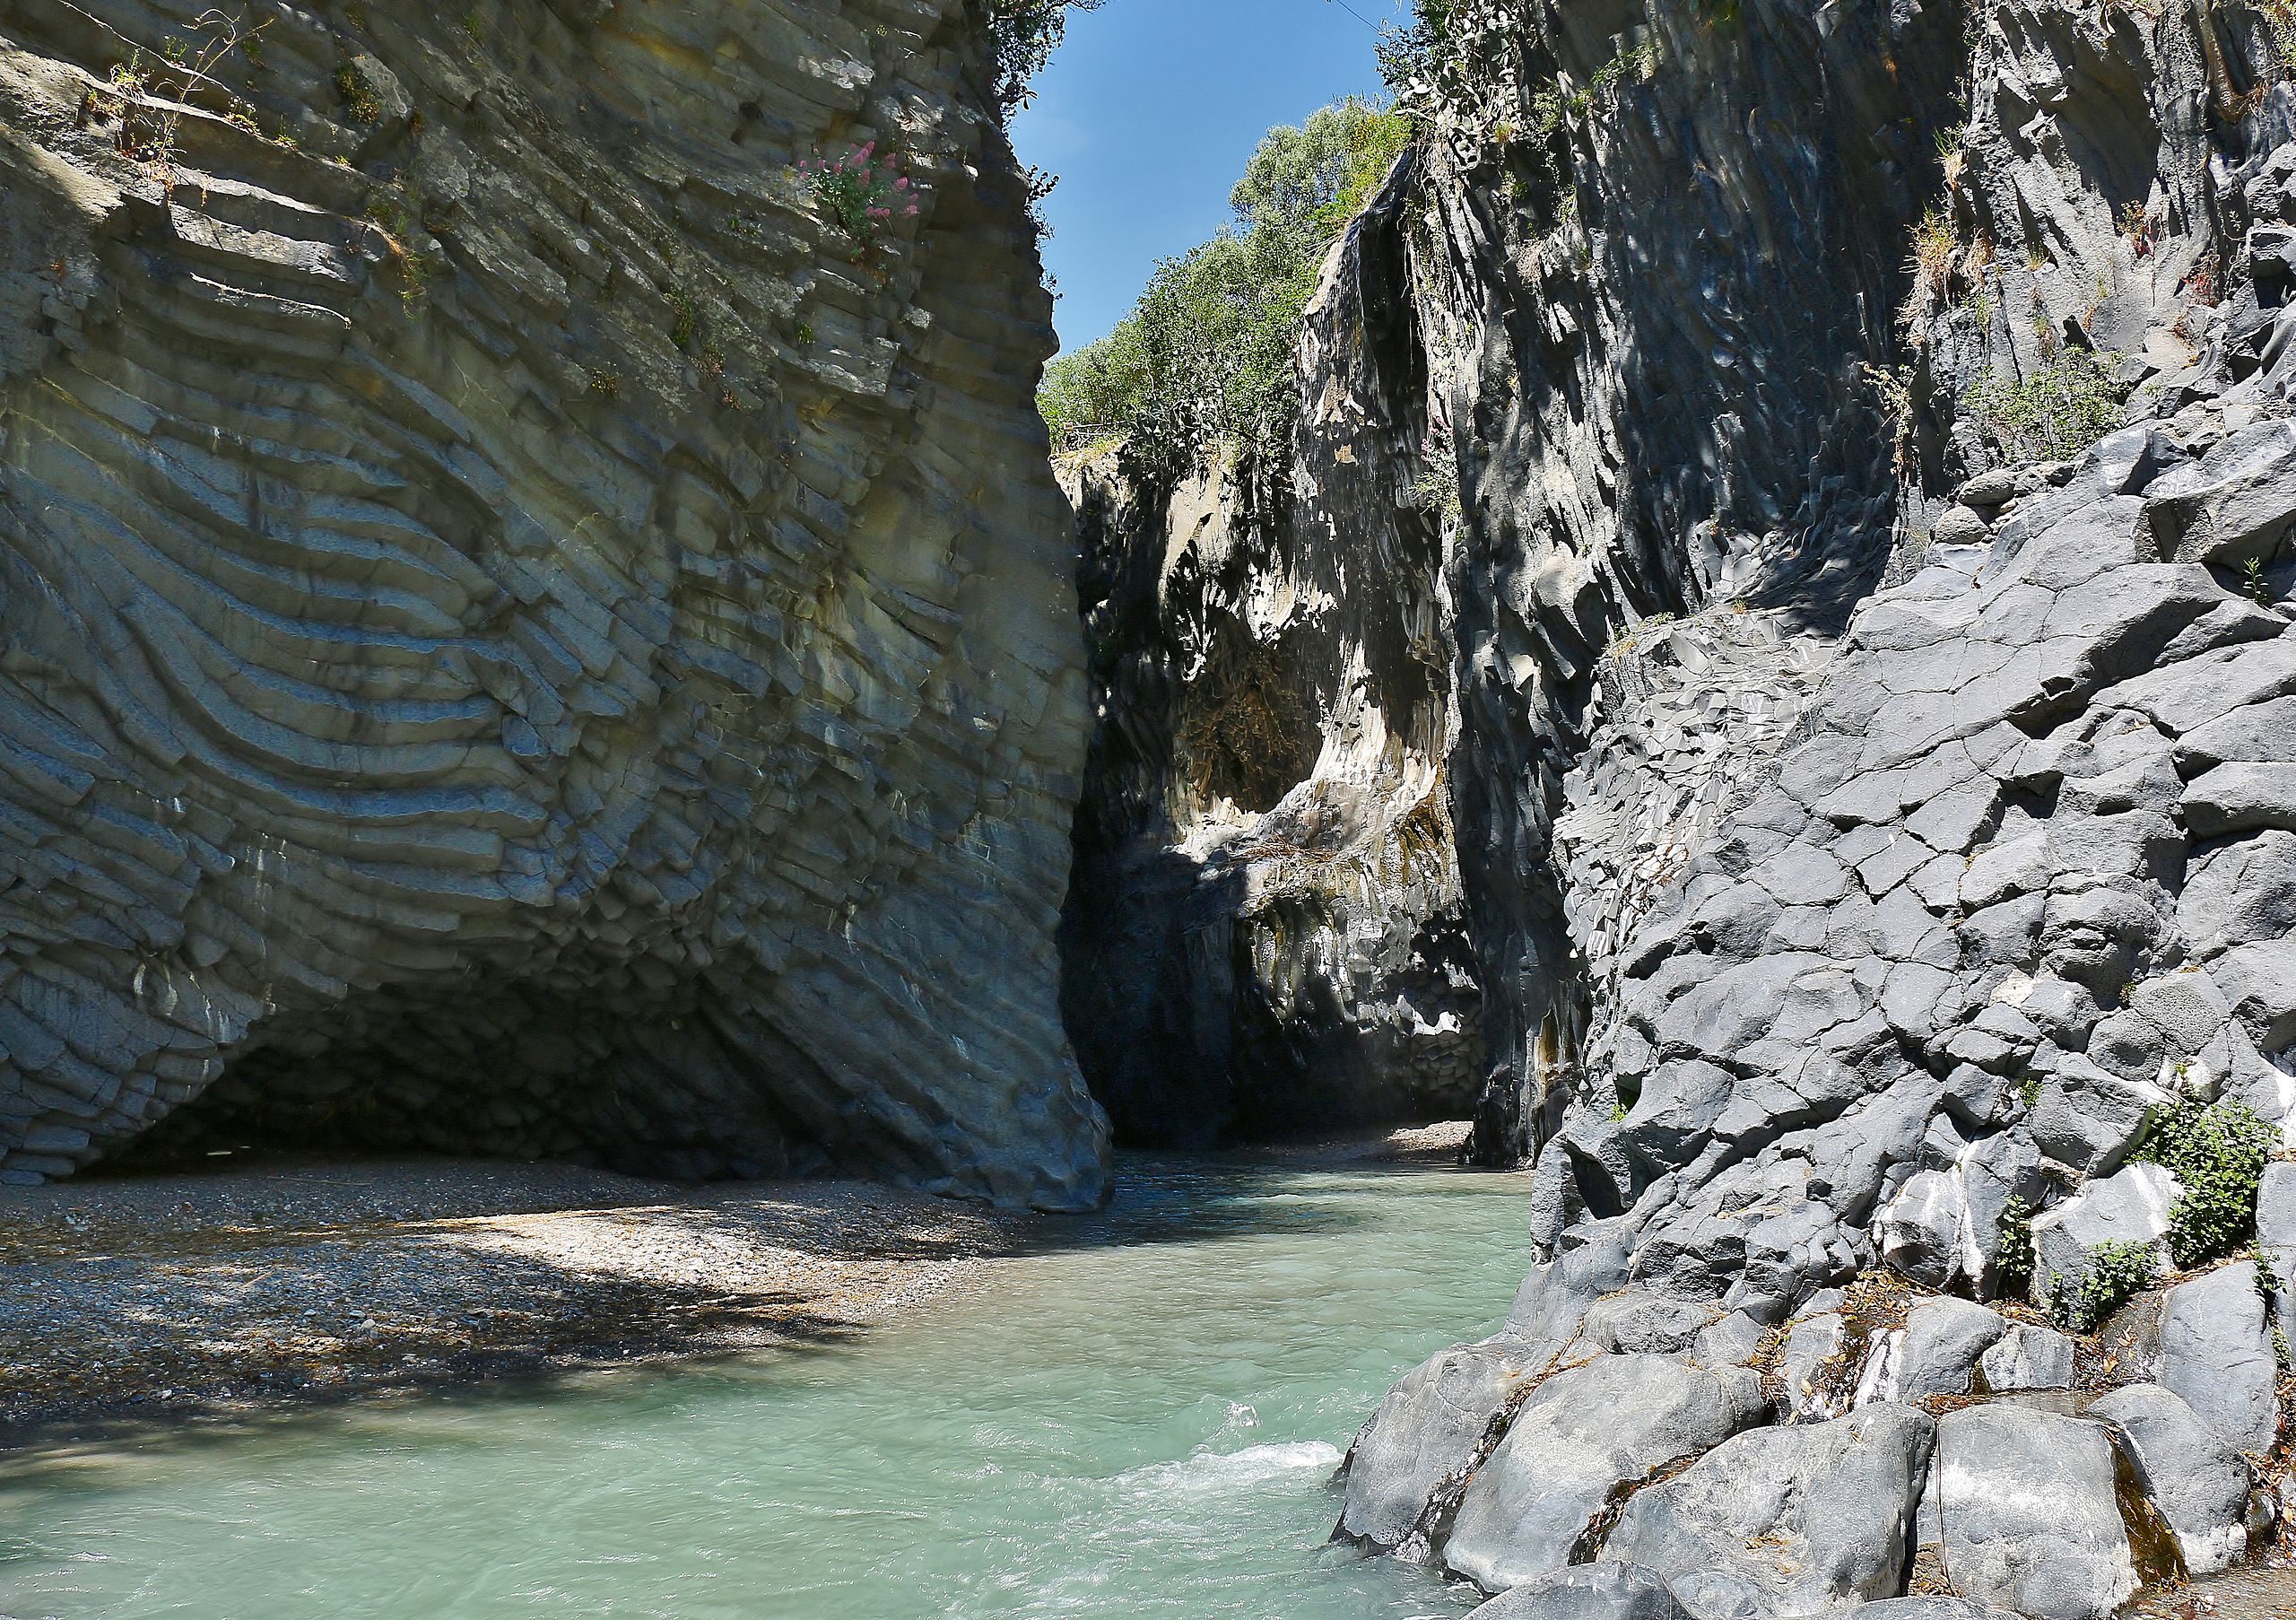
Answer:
(2028, 1357)
(1944, 1338)
(2196, 1480)
(1921, 1230)
(1787, 1521)
(2030, 1516)
(2088, 1118)
(1606, 1590)
(1810, 1365)
(2130, 1207)
(1926, 1608)
(2216, 1353)
(1586, 1434)
(1653, 1324)
(1429, 1426)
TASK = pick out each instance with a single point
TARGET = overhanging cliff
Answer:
(520, 633)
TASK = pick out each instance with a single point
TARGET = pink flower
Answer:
(912, 211)
(901, 184)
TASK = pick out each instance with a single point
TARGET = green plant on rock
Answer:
(1435, 489)
(2218, 1151)
(2118, 1273)
(2055, 411)
(862, 193)
(1023, 34)
(359, 97)
(2013, 1259)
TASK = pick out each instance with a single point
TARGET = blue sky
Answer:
(1149, 113)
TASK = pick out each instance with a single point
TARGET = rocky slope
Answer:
(520, 634)
(1266, 929)
(1873, 687)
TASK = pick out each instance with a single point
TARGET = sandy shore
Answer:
(126, 1299)
(144, 1296)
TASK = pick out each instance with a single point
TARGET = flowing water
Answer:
(1139, 1423)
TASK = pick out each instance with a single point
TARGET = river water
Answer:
(1140, 1423)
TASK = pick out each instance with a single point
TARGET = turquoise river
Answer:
(1142, 1422)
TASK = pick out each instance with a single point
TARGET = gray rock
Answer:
(2130, 1207)
(2088, 1118)
(1429, 1426)
(1794, 1521)
(2198, 1483)
(2028, 1357)
(2277, 1205)
(1734, 1341)
(1645, 1323)
(2232, 505)
(1944, 1338)
(1926, 1608)
(1605, 1590)
(2216, 1354)
(1959, 525)
(494, 726)
(2242, 797)
(1586, 1434)
(1809, 1365)
(2031, 1518)
(1924, 1229)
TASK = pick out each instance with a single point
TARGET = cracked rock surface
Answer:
(520, 635)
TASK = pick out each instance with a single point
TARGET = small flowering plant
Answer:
(861, 191)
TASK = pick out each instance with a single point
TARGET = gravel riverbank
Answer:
(263, 1283)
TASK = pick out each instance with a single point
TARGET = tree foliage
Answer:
(1207, 353)
(1024, 34)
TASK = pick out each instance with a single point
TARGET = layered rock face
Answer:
(1266, 930)
(1900, 902)
(516, 633)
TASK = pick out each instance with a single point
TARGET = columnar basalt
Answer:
(1874, 667)
(518, 633)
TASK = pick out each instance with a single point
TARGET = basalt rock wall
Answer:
(1920, 868)
(1267, 932)
(518, 633)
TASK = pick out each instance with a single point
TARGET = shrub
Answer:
(1207, 353)
(2054, 414)
(2219, 1152)
(2012, 1262)
(861, 192)
(1023, 34)
(2118, 1273)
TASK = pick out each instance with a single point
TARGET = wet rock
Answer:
(2028, 1357)
(2216, 1354)
(1429, 1426)
(2030, 1519)
(1586, 1437)
(2198, 1483)
(1605, 1590)
(1787, 1521)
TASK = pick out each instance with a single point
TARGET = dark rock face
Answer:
(1870, 782)
(1265, 931)
(514, 636)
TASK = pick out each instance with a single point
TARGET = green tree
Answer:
(1207, 353)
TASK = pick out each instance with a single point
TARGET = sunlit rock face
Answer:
(1266, 932)
(516, 634)
(1875, 691)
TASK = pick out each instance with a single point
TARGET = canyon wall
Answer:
(1266, 931)
(1866, 739)
(518, 633)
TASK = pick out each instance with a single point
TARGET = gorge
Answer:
(1742, 641)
